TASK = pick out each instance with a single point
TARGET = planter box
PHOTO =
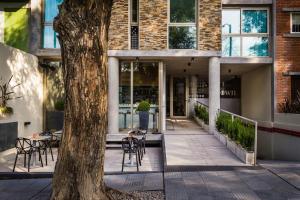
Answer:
(221, 137)
(201, 123)
(238, 150)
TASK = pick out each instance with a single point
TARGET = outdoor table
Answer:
(58, 134)
(34, 143)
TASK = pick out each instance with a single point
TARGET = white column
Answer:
(194, 83)
(162, 97)
(113, 95)
(214, 91)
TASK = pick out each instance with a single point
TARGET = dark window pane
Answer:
(255, 21)
(134, 37)
(145, 82)
(295, 88)
(296, 22)
(134, 11)
(182, 37)
(182, 11)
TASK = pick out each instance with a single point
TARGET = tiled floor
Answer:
(152, 161)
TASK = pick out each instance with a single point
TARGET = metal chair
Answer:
(130, 145)
(47, 144)
(24, 146)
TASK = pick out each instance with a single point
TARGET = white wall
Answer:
(256, 94)
(24, 68)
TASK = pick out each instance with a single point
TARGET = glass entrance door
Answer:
(179, 97)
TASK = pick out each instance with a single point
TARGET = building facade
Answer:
(236, 55)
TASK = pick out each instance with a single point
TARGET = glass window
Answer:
(144, 76)
(295, 22)
(295, 88)
(231, 46)
(237, 25)
(182, 11)
(50, 12)
(231, 21)
(255, 46)
(134, 11)
(182, 24)
(182, 37)
(255, 21)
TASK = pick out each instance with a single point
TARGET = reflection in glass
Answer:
(50, 40)
(145, 87)
(183, 37)
(231, 21)
(179, 96)
(231, 46)
(182, 11)
(255, 21)
(255, 46)
(134, 11)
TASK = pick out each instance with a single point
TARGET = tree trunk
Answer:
(82, 26)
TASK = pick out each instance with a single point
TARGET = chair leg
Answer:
(51, 152)
(41, 157)
(29, 158)
(137, 162)
(15, 162)
(139, 155)
(123, 161)
(25, 160)
(46, 157)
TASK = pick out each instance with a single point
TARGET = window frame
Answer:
(291, 22)
(45, 24)
(187, 24)
(243, 34)
(131, 24)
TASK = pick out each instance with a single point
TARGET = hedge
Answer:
(201, 113)
(237, 130)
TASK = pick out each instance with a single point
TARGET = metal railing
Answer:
(255, 123)
(202, 104)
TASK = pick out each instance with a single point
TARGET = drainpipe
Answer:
(273, 92)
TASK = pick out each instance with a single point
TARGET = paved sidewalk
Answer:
(225, 185)
(40, 189)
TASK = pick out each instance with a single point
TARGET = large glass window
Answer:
(295, 17)
(245, 32)
(182, 24)
(49, 35)
(138, 81)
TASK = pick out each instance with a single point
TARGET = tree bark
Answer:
(82, 26)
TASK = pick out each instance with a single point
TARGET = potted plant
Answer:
(6, 94)
(143, 109)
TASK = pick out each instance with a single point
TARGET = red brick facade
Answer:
(287, 49)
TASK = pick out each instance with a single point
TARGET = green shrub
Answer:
(59, 105)
(237, 130)
(143, 106)
(201, 113)
(6, 110)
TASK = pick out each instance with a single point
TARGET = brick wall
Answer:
(153, 24)
(287, 50)
(209, 25)
(118, 30)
